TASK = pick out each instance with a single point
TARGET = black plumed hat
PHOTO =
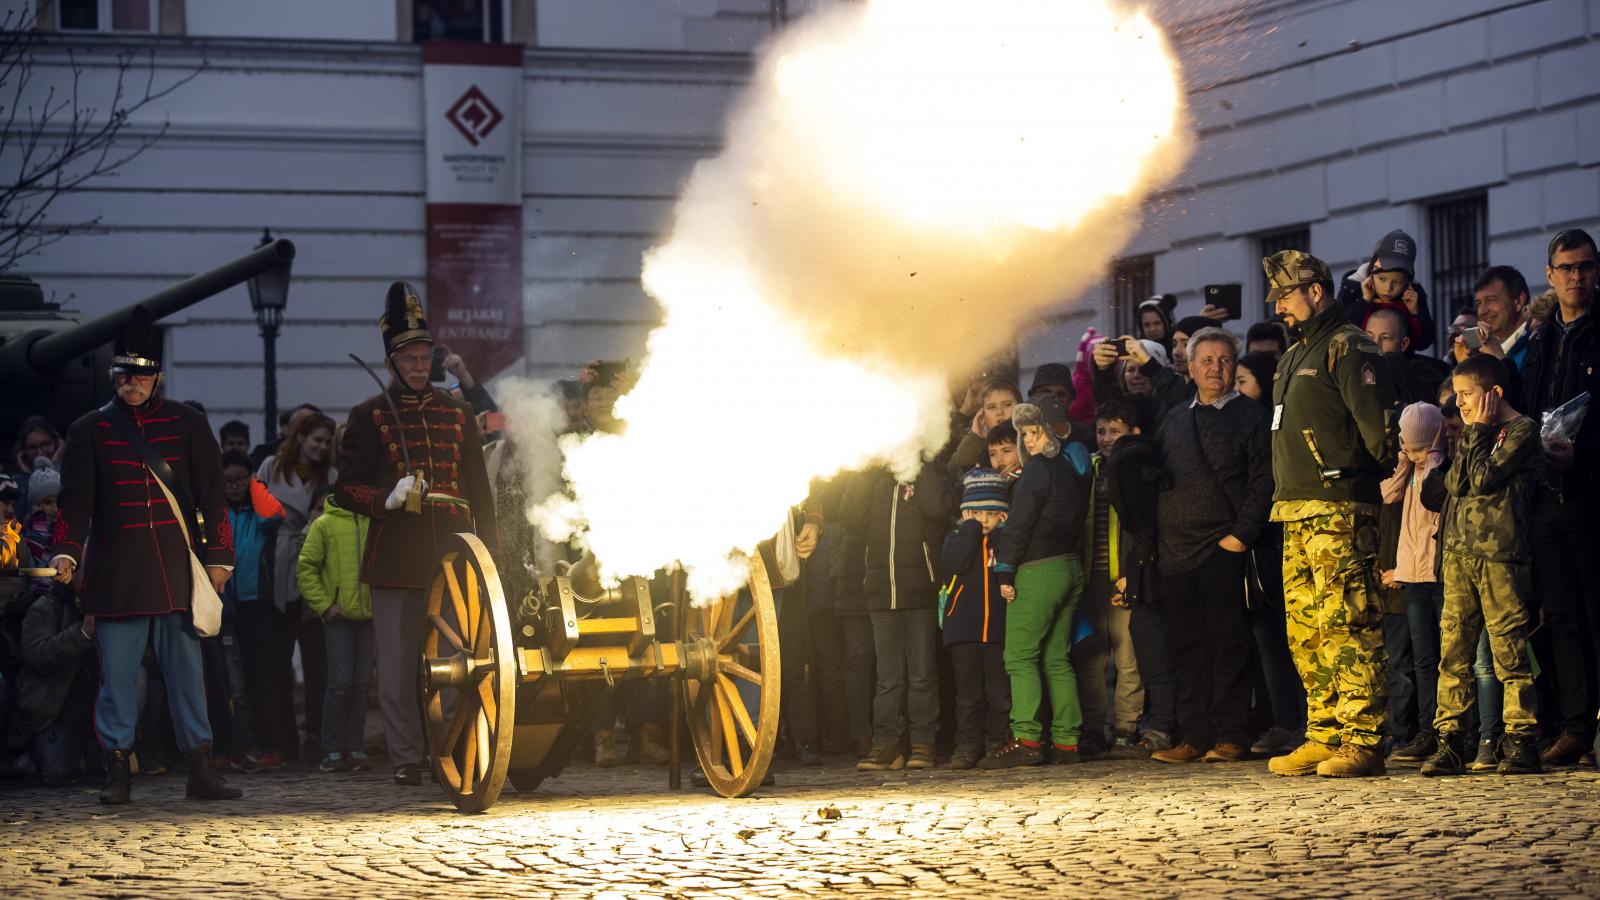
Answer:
(403, 322)
(137, 349)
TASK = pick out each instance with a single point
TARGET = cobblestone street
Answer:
(1101, 829)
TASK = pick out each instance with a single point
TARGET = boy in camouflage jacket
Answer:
(1487, 563)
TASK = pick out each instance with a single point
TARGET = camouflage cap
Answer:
(1289, 269)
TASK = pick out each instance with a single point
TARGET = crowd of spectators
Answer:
(1088, 570)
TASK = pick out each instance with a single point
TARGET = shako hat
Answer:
(137, 349)
(403, 322)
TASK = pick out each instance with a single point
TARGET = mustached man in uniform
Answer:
(116, 522)
(403, 548)
(1332, 401)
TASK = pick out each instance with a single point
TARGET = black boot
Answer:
(204, 782)
(1448, 757)
(1519, 755)
(1420, 749)
(119, 780)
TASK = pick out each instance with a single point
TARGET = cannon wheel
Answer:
(732, 736)
(469, 702)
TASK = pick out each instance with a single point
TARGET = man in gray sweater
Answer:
(1218, 455)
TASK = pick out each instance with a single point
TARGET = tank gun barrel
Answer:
(31, 358)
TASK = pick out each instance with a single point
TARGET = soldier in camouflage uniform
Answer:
(1333, 401)
(1488, 564)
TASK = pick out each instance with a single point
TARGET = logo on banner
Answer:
(474, 116)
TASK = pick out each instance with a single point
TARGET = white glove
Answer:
(397, 497)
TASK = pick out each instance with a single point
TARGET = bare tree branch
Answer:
(62, 143)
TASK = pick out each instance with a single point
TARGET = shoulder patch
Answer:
(1369, 376)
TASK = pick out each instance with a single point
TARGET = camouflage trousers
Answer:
(1334, 617)
(1479, 595)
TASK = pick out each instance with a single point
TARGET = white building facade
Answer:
(1473, 124)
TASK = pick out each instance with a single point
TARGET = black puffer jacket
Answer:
(56, 657)
(892, 532)
(1563, 362)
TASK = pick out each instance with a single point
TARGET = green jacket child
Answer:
(330, 564)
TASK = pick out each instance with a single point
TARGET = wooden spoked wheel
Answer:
(732, 709)
(469, 676)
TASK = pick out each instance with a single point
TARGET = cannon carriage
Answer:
(509, 686)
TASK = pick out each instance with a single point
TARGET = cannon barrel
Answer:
(35, 355)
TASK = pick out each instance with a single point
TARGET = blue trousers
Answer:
(122, 643)
(344, 710)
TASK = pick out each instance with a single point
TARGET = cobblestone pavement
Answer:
(1098, 829)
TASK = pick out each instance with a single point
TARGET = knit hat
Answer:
(1419, 426)
(1188, 325)
(44, 483)
(985, 490)
(1024, 414)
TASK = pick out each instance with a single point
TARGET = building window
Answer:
(1133, 280)
(482, 21)
(1277, 242)
(1458, 249)
(108, 15)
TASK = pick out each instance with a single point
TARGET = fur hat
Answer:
(1024, 414)
(985, 490)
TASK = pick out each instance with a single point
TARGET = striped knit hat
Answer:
(985, 490)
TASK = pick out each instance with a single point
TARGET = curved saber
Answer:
(414, 499)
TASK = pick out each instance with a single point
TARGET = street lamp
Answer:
(269, 294)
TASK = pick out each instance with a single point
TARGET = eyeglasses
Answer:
(42, 447)
(1567, 270)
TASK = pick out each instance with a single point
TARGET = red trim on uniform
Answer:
(116, 443)
(124, 462)
(152, 500)
(157, 440)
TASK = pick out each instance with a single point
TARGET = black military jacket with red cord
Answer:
(113, 509)
(442, 434)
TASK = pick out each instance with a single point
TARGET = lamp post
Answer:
(269, 294)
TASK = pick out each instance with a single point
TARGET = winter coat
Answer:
(253, 540)
(890, 529)
(56, 656)
(973, 611)
(1220, 463)
(329, 569)
(1491, 489)
(1048, 505)
(1417, 537)
(1358, 309)
(138, 560)
(1563, 362)
(294, 497)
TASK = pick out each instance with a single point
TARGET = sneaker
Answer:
(1156, 740)
(334, 762)
(883, 756)
(1420, 748)
(1520, 755)
(1487, 759)
(408, 775)
(1067, 754)
(964, 758)
(1303, 760)
(1353, 761)
(1183, 753)
(1565, 750)
(247, 762)
(921, 757)
(808, 754)
(1013, 753)
(358, 761)
(1447, 756)
(1277, 741)
(272, 760)
(1126, 746)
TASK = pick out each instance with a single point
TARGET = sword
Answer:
(26, 572)
(414, 498)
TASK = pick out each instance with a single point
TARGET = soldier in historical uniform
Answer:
(439, 436)
(136, 588)
(1332, 400)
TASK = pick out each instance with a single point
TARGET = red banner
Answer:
(472, 104)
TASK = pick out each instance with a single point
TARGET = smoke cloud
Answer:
(906, 185)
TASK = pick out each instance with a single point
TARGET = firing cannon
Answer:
(507, 691)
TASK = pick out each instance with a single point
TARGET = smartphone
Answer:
(437, 373)
(493, 422)
(1472, 338)
(1227, 296)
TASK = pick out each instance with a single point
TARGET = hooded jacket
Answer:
(329, 570)
(1048, 503)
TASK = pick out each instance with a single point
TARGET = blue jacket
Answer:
(253, 539)
(969, 593)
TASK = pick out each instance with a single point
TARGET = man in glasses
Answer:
(1332, 398)
(1563, 361)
